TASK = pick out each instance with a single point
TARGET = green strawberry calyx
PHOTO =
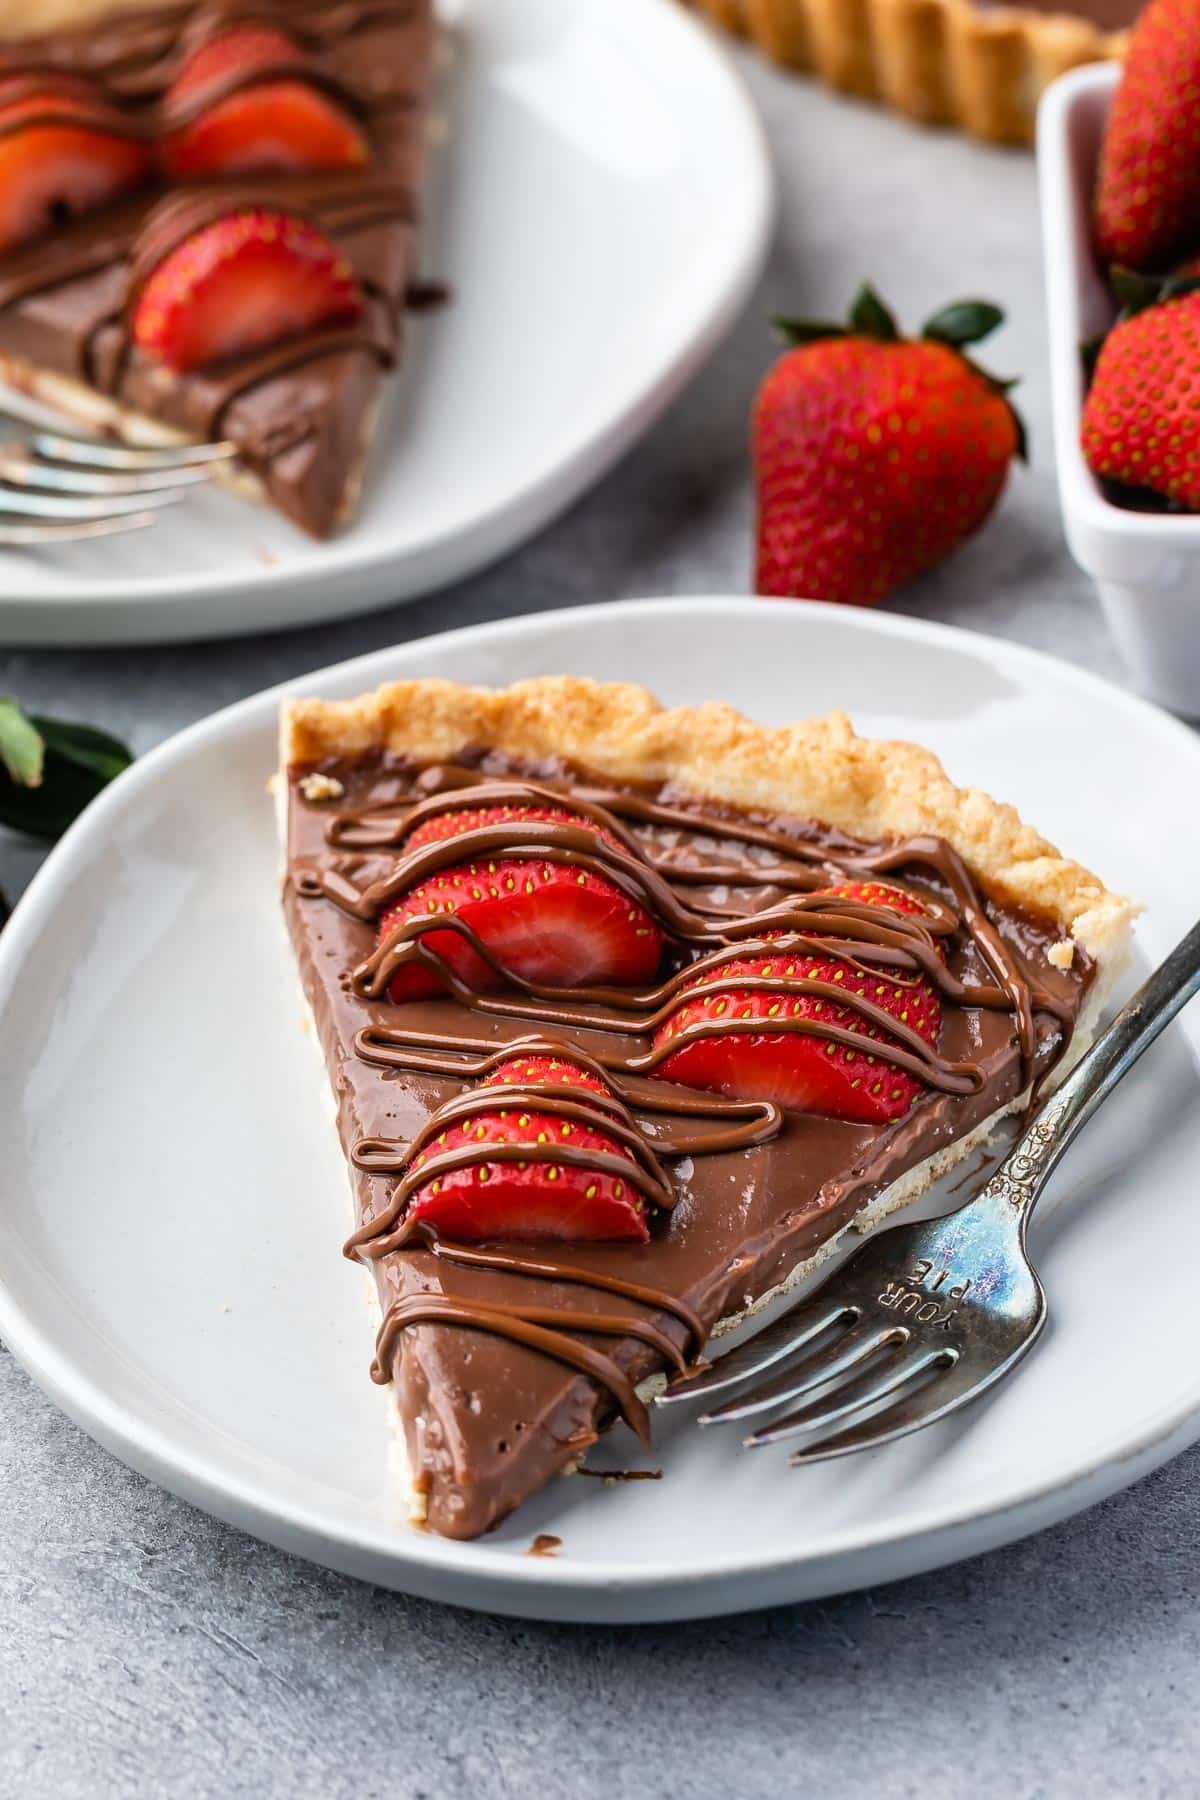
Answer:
(962, 323)
(1136, 293)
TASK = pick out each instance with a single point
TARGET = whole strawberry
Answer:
(1147, 211)
(1141, 418)
(876, 455)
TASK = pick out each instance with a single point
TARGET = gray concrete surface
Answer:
(146, 1650)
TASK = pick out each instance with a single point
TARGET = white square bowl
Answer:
(1145, 565)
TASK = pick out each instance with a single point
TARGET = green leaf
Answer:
(79, 762)
(1176, 286)
(1135, 292)
(869, 317)
(20, 746)
(798, 332)
(1022, 450)
(964, 322)
(105, 756)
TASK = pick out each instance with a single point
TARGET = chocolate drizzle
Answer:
(750, 1122)
(813, 923)
(768, 900)
(538, 1328)
(150, 124)
(135, 58)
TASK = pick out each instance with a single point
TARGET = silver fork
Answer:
(58, 486)
(928, 1316)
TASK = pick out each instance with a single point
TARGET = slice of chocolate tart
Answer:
(629, 1013)
(209, 224)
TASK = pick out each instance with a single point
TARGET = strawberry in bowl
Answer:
(1147, 204)
(1139, 428)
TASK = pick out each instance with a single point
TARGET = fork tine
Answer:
(28, 411)
(904, 1415)
(961, 1382)
(816, 1423)
(71, 531)
(72, 440)
(844, 1358)
(100, 454)
(31, 471)
(790, 1332)
(28, 503)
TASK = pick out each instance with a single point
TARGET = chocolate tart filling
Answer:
(508, 1359)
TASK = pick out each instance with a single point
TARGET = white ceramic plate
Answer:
(601, 209)
(172, 1198)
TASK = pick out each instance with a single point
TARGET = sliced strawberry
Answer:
(51, 173)
(439, 828)
(807, 1074)
(547, 922)
(539, 1070)
(248, 280)
(529, 1200)
(279, 126)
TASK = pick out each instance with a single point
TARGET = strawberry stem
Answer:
(798, 332)
(869, 317)
(1022, 449)
(963, 322)
(1136, 292)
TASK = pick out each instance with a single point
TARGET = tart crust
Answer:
(818, 768)
(943, 62)
(30, 18)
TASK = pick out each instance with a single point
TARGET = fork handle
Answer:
(1022, 1175)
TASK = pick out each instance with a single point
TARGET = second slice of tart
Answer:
(210, 222)
(586, 1132)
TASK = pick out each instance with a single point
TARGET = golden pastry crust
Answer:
(31, 18)
(944, 62)
(819, 769)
